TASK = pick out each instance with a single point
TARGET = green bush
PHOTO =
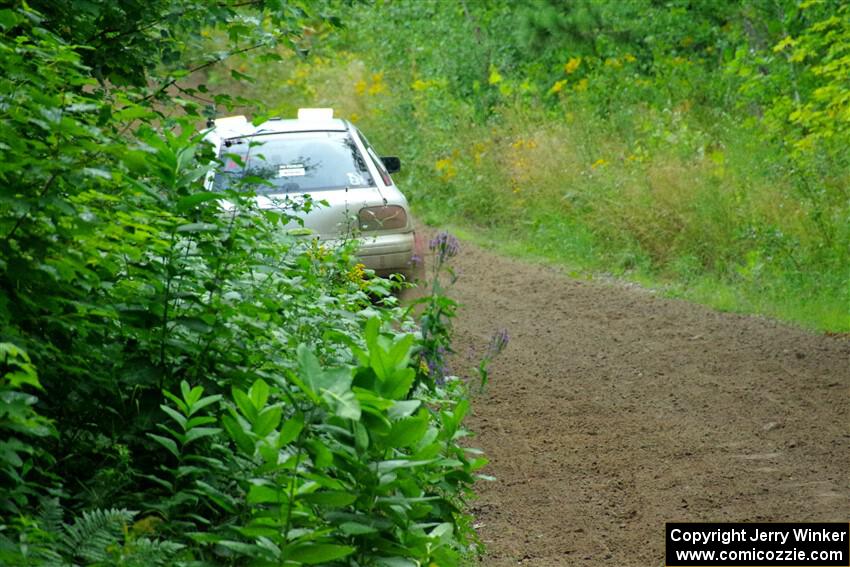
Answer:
(184, 380)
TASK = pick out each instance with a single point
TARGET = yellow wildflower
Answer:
(629, 58)
(613, 62)
(446, 168)
(360, 87)
(572, 65)
(581, 86)
(557, 87)
(598, 163)
(495, 78)
(378, 86)
(357, 274)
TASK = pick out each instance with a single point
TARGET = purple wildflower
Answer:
(437, 366)
(498, 343)
(444, 245)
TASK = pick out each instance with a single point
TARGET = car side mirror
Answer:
(392, 163)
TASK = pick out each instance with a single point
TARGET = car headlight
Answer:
(387, 217)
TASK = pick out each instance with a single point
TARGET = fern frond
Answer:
(147, 552)
(50, 516)
(94, 533)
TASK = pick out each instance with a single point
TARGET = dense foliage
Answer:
(186, 383)
(702, 146)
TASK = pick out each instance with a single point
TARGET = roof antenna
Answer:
(209, 112)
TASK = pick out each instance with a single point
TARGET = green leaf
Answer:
(344, 404)
(356, 528)
(316, 553)
(395, 562)
(399, 385)
(290, 430)
(442, 531)
(240, 547)
(361, 437)
(259, 394)
(408, 431)
(332, 384)
(169, 444)
(267, 421)
(322, 456)
(175, 415)
(177, 401)
(403, 408)
(242, 439)
(329, 498)
(200, 432)
(197, 227)
(245, 405)
(393, 464)
(191, 201)
(263, 494)
(204, 402)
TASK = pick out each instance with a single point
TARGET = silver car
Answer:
(330, 160)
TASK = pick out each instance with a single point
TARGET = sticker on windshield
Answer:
(293, 170)
(355, 179)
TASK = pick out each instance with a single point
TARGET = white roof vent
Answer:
(315, 113)
(231, 122)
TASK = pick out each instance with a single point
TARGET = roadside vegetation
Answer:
(183, 383)
(701, 148)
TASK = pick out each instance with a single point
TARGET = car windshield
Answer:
(294, 162)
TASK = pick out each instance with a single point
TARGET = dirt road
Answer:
(614, 411)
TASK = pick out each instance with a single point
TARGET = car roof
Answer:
(303, 125)
(238, 126)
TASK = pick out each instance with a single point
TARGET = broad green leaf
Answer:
(259, 394)
(290, 430)
(169, 444)
(241, 548)
(199, 432)
(267, 421)
(263, 494)
(393, 464)
(344, 404)
(317, 553)
(442, 531)
(403, 408)
(395, 562)
(408, 431)
(361, 437)
(399, 383)
(197, 227)
(322, 456)
(329, 498)
(175, 415)
(356, 528)
(190, 201)
(245, 404)
(234, 430)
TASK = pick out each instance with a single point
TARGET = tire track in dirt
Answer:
(613, 411)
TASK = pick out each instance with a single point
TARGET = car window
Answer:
(297, 161)
(376, 159)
